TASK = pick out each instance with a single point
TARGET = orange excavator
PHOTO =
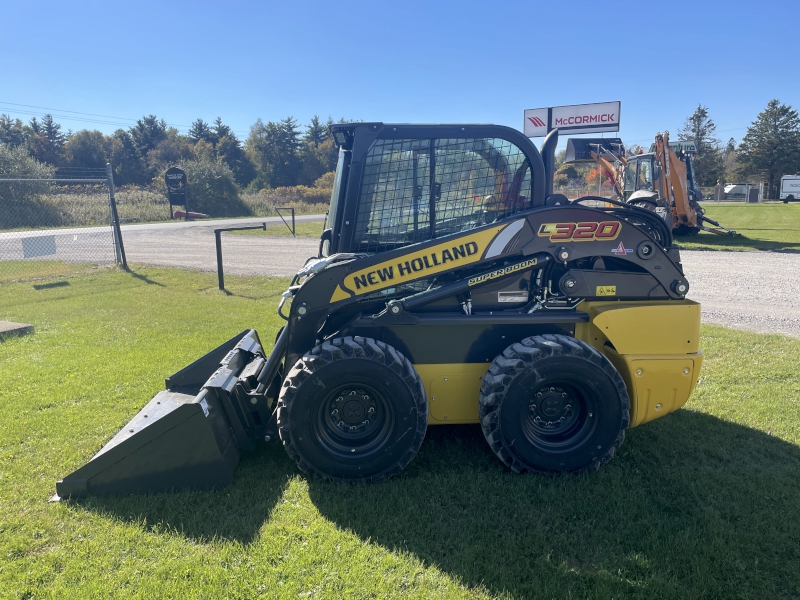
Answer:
(662, 180)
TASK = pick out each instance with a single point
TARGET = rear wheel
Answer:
(553, 403)
(352, 409)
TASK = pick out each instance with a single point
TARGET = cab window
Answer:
(475, 181)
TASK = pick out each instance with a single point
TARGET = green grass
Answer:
(704, 503)
(761, 227)
(303, 229)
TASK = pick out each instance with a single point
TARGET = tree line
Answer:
(275, 154)
(769, 149)
(283, 154)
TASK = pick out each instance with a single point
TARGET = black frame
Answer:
(360, 137)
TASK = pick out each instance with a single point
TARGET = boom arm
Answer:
(673, 183)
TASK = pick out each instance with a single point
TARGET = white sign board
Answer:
(579, 118)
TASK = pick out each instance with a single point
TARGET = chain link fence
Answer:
(36, 227)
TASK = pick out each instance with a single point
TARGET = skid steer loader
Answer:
(451, 286)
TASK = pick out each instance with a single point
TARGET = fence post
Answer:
(121, 259)
(218, 241)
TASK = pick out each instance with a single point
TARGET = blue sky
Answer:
(466, 62)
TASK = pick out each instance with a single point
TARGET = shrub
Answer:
(21, 203)
(212, 188)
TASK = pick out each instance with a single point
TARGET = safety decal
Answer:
(580, 232)
(621, 249)
(606, 290)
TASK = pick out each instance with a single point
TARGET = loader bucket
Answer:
(188, 436)
(580, 149)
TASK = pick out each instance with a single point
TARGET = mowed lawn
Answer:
(302, 229)
(704, 503)
(760, 227)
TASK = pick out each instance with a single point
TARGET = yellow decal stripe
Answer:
(448, 255)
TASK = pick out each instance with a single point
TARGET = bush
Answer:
(21, 202)
(212, 188)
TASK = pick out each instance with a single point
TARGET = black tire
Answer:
(526, 406)
(352, 409)
(686, 230)
(659, 207)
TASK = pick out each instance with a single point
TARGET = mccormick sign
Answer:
(578, 118)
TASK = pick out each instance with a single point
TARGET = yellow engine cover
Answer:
(654, 346)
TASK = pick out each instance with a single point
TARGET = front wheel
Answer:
(553, 403)
(352, 409)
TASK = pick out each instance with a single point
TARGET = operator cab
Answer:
(641, 175)
(398, 185)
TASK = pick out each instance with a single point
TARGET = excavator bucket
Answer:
(189, 435)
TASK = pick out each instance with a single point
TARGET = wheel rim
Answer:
(354, 420)
(560, 417)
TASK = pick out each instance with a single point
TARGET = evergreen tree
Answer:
(11, 132)
(700, 129)
(771, 146)
(229, 151)
(200, 130)
(316, 132)
(147, 133)
(221, 130)
(126, 160)
(274, 148)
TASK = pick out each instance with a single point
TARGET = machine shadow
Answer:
(236, 512)
(689, 477)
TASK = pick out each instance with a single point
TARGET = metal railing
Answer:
(218, 241)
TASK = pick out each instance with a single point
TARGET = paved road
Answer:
(194, 248)
(181, 243)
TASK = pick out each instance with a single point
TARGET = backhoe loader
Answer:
(451, 286)
(662, 180)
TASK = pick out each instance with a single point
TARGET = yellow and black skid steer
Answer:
(451, 286)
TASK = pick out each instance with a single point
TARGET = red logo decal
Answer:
(537, 122)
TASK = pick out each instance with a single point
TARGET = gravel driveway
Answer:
(756, 291)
